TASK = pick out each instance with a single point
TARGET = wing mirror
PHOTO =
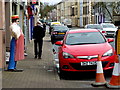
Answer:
(110, 40)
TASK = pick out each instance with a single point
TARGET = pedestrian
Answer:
(16, 44)
(38, 34)
(44, 26)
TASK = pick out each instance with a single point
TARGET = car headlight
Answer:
(108, 53)
(67, 55)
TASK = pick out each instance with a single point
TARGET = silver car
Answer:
(96, 26)
(109, 28)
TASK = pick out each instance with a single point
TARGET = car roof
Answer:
(93, 24)
(55, 23)
(83, 30)
(106, 23)
(59, 26)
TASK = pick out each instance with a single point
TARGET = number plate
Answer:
(61, 33)
(88, 63)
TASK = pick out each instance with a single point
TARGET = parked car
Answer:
(109, 28)
(53, 24)
(68, 22)
(80, 48)
(96, 26)
(58, 32)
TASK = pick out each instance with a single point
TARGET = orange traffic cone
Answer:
(115, 80)
(100, 80)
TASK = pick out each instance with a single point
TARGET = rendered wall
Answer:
(2, 34)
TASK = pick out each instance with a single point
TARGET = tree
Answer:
(45, 9)
(105, 6)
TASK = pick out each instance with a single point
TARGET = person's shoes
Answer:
(25, 54)
(14, 70)
(35, 57)
(39, 58)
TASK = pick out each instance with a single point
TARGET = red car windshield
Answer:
(84, 38)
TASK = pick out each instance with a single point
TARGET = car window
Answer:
(61, 28)
(108, 26)
(94, 27)
(84, 38)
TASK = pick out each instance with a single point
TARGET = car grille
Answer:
(87, 57)
(78, 66)
(110, 31)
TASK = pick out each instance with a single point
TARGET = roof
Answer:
(55, 23)
(106, 23)
(93, 24)
(82, 30)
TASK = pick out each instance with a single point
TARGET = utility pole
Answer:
(25, 27)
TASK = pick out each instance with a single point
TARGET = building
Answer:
(60, 14)
(73, 10)
(107, 12)
(116, 13)
(53, 15)
(78, 11)
(2, 34)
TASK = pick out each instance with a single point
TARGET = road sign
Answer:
(117, 42)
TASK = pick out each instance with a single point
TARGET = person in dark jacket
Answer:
(44, 26)
(38, 34)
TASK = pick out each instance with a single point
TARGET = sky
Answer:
(51, 2)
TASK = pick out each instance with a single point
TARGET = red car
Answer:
(80, 49)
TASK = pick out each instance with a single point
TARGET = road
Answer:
(42, 73)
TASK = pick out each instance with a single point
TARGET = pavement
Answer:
(39, 73)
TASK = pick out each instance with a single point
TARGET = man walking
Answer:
(44, 26)
(38, 34)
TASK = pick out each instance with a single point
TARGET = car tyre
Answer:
(62, 74)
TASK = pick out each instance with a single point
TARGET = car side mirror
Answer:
(116, 27)
(59, 43)
(110, 40)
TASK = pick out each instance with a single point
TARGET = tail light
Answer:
(103, 31)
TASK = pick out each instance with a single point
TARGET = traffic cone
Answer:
(115, 80)
(100, 80)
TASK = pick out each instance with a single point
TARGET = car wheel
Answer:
(58, 70)
(62, 74)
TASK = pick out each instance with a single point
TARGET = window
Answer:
(72, 12)
(85, 38)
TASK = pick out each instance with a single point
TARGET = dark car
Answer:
(58, 32)
(52, 24)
